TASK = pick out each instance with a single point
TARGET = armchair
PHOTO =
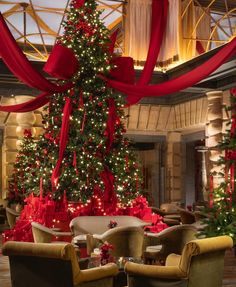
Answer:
(51, 265)
(43, 234)
(170, 240)
(127, 241)
(11, 216)
(201, 264)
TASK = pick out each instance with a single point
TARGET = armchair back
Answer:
(99, 224)
(50, 265)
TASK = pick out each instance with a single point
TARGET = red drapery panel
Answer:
(135, 93)
(63, 140)
(29, 106)
(113, 41)
(199, 48)
(19, 64)
(123, 69)
(158, 26)
(62, 63)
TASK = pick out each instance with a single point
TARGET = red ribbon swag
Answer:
(22, 68)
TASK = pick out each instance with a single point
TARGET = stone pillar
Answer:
(14, 130)
(174, 167)
(214, 132)
(203, 191)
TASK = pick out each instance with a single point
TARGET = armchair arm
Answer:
(61, 233)
(92, 243)
(97, 273)
(167, 272)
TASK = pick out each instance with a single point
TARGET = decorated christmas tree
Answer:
(221, 211)
(96, 167)
(23, 170)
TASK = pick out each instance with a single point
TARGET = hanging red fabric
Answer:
(200, 48)
(113, 41)
(109, 196)
(19, 64)
(158, 27)
(63, 141)
(135, 93)
(22, 68)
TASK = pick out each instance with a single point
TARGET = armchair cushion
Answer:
(154, 271)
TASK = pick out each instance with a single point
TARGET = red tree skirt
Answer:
(59, 214)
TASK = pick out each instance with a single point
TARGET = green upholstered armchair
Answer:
(43, 234)
(200, 265)
(127, 241)
(53, 265)
(171, 240)
(11, 216)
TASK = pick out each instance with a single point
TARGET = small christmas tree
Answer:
(23, 170)
(96, 168)
(221, 212)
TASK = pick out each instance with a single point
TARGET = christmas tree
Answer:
(220, 213)
(23, 170)
(96, 168)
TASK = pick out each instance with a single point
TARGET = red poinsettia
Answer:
(112, 224)
(105, 252)
(27, 133)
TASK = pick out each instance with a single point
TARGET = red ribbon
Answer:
(63, 141)
(57, 63)
(109, 197)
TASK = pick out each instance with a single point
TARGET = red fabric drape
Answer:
(21, 67)
(135, 93)
(113, 41)
(109, 196)
(199, 48)
(123, 69)
(158, 26)
(62, 63)
(63, 140)
(19, 64)
(31, 105)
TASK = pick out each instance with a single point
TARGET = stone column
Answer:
(174, 167)
(203, 194)
(214, 132)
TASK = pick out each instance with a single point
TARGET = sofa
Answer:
(82, 225)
